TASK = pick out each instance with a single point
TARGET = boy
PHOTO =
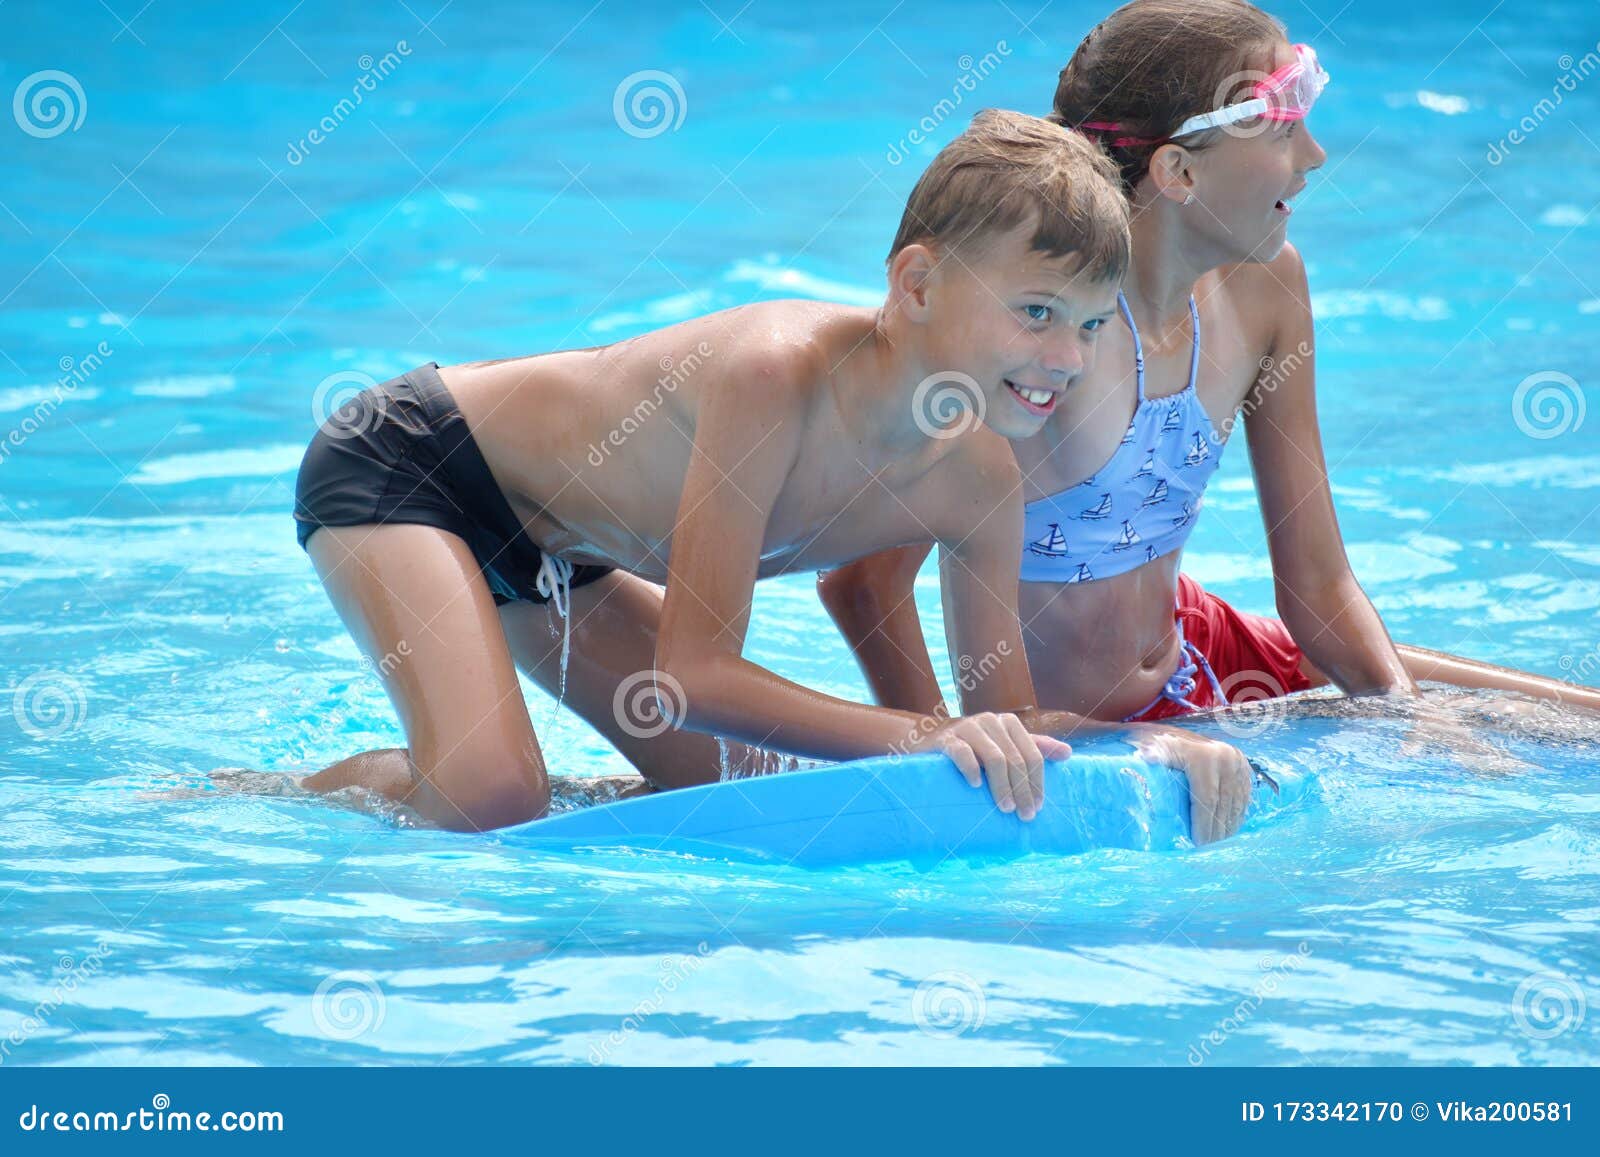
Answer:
(462, 517)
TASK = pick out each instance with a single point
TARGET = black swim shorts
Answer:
(401, 452)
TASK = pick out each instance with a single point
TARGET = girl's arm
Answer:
(873, 603)
(1318, 596)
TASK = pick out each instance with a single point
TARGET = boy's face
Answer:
(1021, 323)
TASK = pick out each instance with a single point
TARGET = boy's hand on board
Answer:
(998, 748)
(1221, 779)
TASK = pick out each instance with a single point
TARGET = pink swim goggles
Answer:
(1285, 95)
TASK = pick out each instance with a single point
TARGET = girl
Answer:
(1202, 104)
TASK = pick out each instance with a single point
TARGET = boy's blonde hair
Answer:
(1008, 169)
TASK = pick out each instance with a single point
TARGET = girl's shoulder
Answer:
(1264, 298)
(1275, 286)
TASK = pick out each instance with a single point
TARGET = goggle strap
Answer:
(1232, 114)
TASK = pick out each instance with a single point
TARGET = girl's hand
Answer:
(1221, 779)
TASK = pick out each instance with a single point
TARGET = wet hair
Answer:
(1152, 64)
(1009, 169)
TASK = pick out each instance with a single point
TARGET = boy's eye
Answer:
(1037, 312)
(1094, 323)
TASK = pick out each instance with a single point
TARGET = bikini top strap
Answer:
(1138, 346)
(1194, 358)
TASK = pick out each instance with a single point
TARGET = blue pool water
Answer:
(157, 620)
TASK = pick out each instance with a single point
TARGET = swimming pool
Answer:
(156, 619)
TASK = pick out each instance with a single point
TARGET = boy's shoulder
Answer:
(976, 479)
(786, 345)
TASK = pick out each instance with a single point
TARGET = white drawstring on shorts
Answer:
(554, 582)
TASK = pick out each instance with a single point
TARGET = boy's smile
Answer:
(1035, 399)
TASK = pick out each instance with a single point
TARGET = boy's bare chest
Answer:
(832, 519)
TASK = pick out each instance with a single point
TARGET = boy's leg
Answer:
(614, 626)
(418, 607)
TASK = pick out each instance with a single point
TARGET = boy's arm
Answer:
(746, 443)
(1318, 596)
(873, 603)
(980, 557)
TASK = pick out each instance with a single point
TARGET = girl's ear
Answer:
(1172, 173)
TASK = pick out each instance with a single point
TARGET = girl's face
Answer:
(1245, 182)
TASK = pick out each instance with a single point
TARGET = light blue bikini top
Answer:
(1141, 504)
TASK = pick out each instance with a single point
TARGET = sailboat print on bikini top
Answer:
(1139, 506)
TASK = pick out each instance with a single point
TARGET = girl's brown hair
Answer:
(1009, 169)
(1152, 64)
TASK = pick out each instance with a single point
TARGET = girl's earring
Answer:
(1189, 200)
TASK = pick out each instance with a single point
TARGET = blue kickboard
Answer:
(915, 808)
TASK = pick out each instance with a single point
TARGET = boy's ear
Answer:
(1172, 172)
(910, 274)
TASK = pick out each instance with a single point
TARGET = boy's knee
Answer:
(482, 795)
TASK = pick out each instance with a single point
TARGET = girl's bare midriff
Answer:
(1081, 635)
